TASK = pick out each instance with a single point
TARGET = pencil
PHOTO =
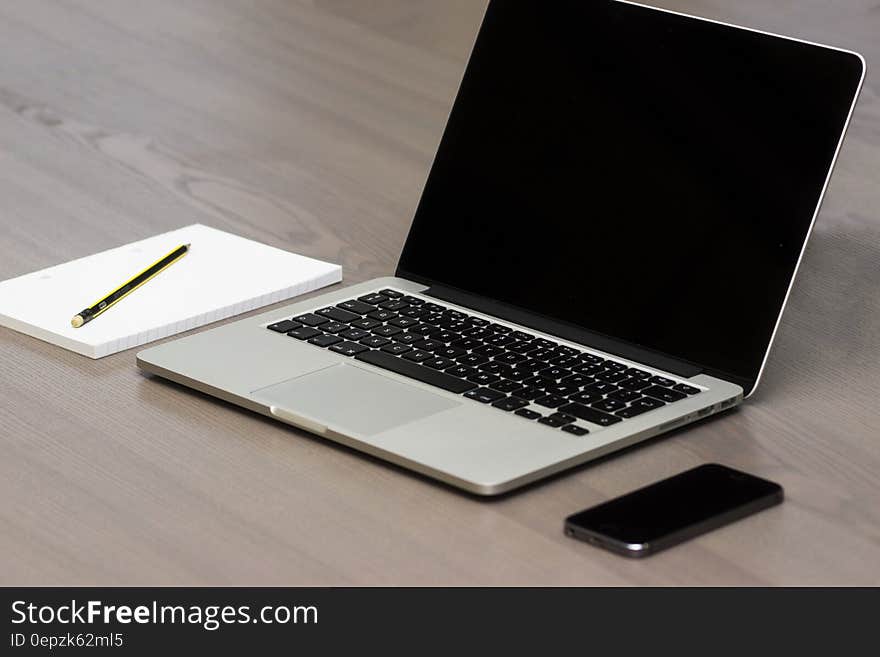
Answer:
(87, 315)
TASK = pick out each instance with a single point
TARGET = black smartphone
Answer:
(673, 510)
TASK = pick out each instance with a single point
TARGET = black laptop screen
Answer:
(633, 172)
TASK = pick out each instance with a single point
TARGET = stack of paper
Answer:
(222, 275)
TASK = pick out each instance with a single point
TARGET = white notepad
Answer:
(222, 275)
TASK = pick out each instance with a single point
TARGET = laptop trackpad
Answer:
(347, 397)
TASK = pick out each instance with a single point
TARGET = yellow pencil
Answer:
(87, 315)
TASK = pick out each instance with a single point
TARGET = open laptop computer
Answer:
(602, 251)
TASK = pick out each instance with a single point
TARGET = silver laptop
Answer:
(602, 251)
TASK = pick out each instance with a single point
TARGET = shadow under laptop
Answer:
(546, 481)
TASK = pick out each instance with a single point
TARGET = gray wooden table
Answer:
(310, 125)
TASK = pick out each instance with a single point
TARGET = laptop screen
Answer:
(634, 172)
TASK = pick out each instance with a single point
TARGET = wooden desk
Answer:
(310, 126)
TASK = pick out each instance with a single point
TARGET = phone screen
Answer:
(679, 507)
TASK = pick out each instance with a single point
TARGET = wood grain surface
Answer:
(309, 125)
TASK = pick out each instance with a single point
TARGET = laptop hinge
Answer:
(566, 331)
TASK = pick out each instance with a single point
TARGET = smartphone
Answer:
(673, 510)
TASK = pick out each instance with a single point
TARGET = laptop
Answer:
(602, 251)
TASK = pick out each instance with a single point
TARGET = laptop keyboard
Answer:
(512, 370)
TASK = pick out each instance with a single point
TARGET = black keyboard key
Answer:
(510, 403)
(414, 313)
(538, 382)
(433, 319)
(445, 336)
(325, 340)
(334, 327)
(467, 343)
(551, 401)
(450, 352)
(496, 368)
(656, 380)
(685, 388)
(552, 421)
(472, 360)
(640, 406)
(392, 294)
(365, 323)
(510, 358)
(489, 350)
(614, 367)
(664, 394)
(382, 315)
(554, 372)
(561, 389)
(428, 344)
(638, 374)
(394, 304)
(417, 355)
(517, 374)
(438, 363)
(576, 430)
(589, 414)
(608, 405)
(528, 414)
(477, 333)
(386, 331)
(531, 365)
(483, 378)
(409, 369)
(499, 340)
(403, 322)
(633, 383)
(590, 359)
(461, 371)
(564, 361)
(545, 344)
(563, 350)
(567, 419)
(304, 333)
(355, 334)
(351, 349)
(396, 349)
(310, 319)
(407, 338)
(505, 385)
(498, 328)
(521, 347)
(588, 370)
(423, 329)
(542, 354)
(578, 380)
(624, 395)
(524, 337)
(434, 308)
(484, 395)
(601, 388)
(610, 376)
(284, 326)
(413, 301)
(585, 397)
(373, 299)
(358, 307)
(337, 314)
(530, 393)
(374, 342)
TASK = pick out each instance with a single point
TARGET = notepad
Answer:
(221, 276)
